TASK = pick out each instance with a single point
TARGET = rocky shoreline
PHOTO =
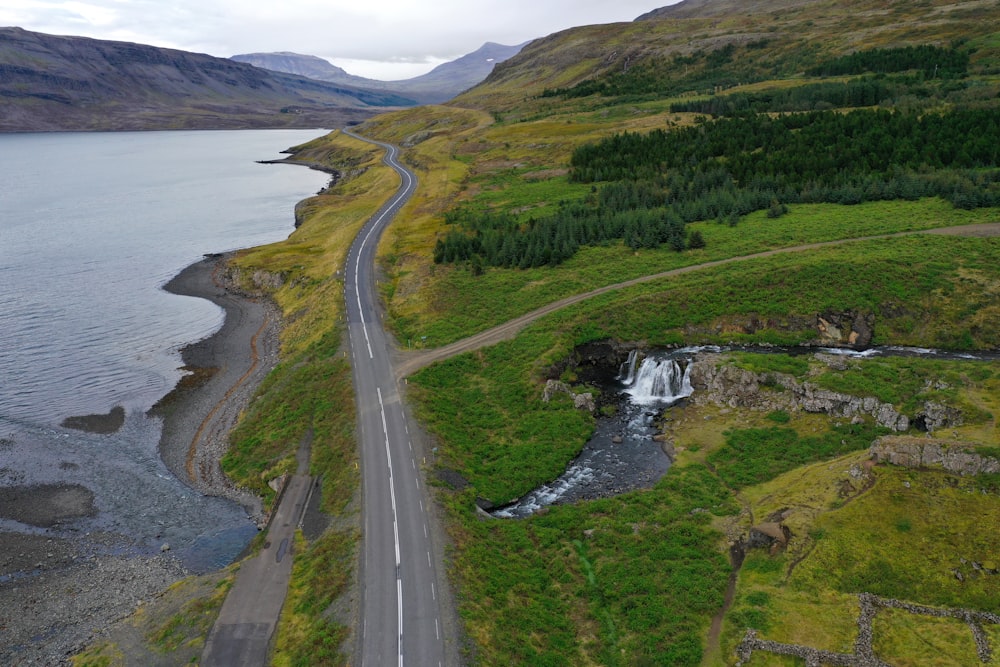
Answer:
(62, 587)
(224, 371)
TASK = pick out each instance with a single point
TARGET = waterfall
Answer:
(626, 373)
(660, 381)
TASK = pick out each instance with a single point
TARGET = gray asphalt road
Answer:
(401, 619)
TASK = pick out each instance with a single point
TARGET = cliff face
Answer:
(726, 385)
(953, 457)
(49, 82)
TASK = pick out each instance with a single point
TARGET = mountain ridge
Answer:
(51, 83)
(439, 85)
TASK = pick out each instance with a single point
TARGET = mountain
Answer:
(439, 85)
(703, 46)
(52, 82)
(705, 8)
(312, 67)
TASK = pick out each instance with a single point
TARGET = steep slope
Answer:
(705, 8)
(440, 84)
(680, 46)
(449, 79)
(72, 83)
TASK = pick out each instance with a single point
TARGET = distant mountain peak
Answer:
(440, 84)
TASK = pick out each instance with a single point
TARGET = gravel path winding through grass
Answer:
(410, 362)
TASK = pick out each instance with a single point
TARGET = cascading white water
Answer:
(626, 373)
(660, 381)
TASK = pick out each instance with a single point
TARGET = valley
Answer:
(719, 173)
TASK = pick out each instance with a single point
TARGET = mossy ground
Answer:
(634, 579)
(889, 531)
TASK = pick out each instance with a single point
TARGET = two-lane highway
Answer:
(401, 617)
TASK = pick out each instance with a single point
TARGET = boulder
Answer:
(935, 416)
(769, 535)
(583, 401)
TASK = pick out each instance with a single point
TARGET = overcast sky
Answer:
(380, 39)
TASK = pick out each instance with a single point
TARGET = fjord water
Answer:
(91, 227)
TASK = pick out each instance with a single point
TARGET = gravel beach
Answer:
(63, 582)
(227, 368)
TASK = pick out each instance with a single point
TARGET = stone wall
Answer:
(864, 651)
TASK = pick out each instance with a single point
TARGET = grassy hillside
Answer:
(638, 578)
(769, 41)
(585, 126)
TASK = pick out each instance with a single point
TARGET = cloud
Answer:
(372, 34)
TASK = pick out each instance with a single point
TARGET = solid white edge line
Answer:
(403, 193)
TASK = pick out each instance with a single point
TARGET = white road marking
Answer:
(395, 527)
(405, 192)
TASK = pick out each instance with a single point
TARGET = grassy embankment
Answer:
(308, 398)
(636, 579)
(521, 581)
(487, 412)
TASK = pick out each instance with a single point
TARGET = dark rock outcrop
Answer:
(726, 385)
(770, 535)
(912, 452)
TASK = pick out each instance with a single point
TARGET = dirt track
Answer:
(411, 362)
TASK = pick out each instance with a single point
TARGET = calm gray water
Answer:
(91, 227)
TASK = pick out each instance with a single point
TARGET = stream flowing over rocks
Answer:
(627, 451)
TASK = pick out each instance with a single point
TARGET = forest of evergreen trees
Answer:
(646, 187)
(864, 92)
(728, 66)
(800, 152)
(933, 61)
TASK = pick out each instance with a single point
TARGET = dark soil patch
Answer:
(101, 424)
(46, 505)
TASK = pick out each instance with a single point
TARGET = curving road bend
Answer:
(401, 608)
